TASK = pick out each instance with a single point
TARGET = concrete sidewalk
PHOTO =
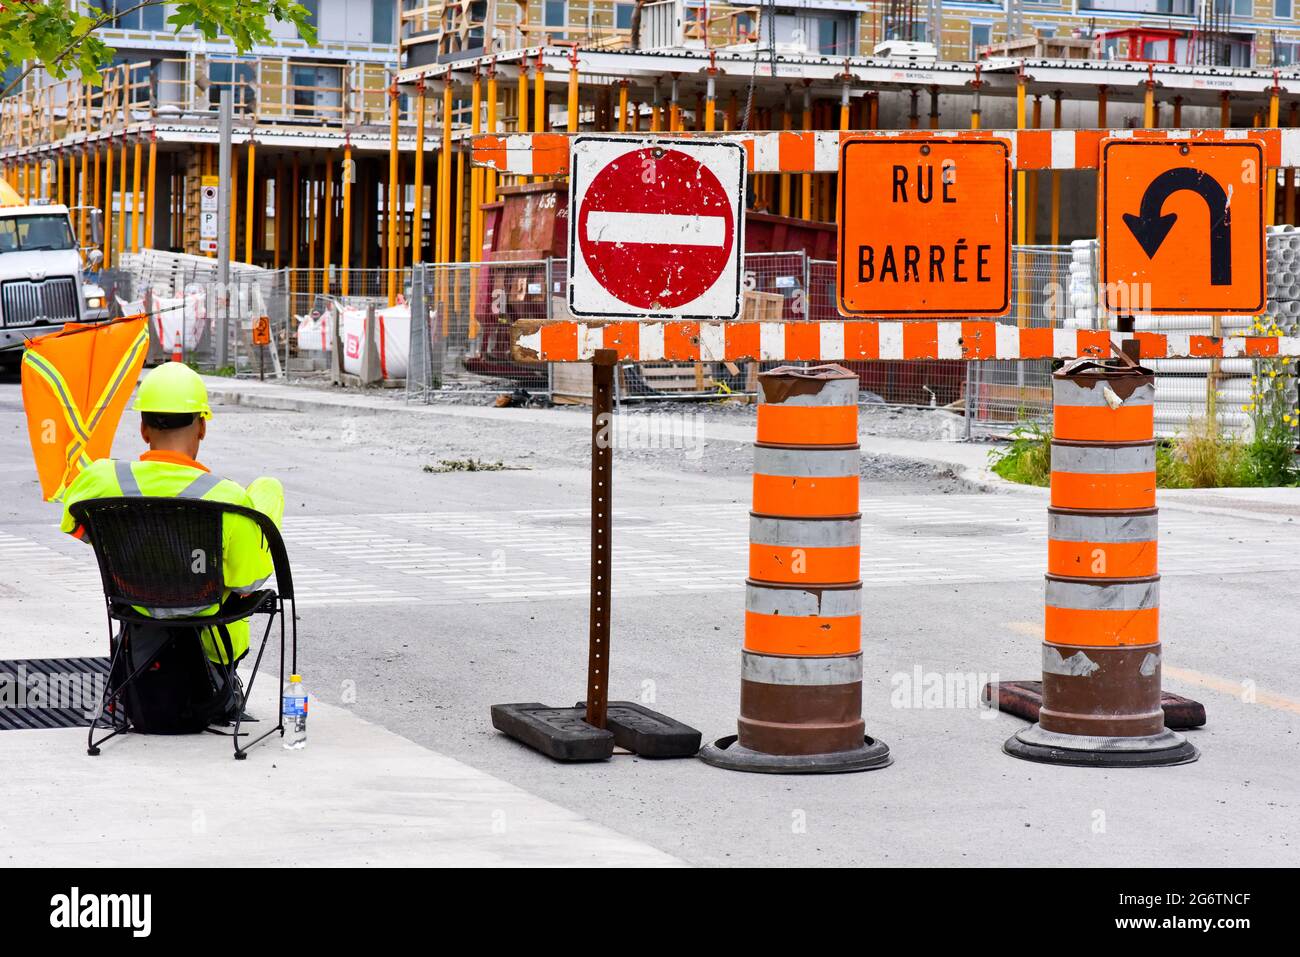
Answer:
(357, 794)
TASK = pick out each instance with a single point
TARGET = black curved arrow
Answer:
(1150, 228)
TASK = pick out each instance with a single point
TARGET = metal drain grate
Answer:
(50, 692)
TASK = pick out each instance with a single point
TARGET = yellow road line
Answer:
(1199, 678)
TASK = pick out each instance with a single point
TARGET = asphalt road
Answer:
(428, 596)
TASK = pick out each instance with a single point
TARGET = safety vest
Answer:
(246, 560)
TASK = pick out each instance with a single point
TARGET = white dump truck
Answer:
(42, 284)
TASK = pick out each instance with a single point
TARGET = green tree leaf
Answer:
(54, 36)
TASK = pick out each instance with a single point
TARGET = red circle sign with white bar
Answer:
(655, 228)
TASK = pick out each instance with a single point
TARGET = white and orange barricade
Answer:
(1101, 701)
(801, 664)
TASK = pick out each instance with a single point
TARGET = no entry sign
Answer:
(925, 226)
(1182, 226)
(656, 228)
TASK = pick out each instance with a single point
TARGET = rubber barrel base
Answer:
(726, 753)
(1048, 747)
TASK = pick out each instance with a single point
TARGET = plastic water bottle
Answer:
(294, 709)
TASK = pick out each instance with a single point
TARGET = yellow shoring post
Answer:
(327, 247)
(1288, 194)
(733, 110)
(490, 177)
(845, 111)
(656, 115)
(1101, 107)
(1022, 200)
(349, 174)
(399, 197)
(1149, 100)
(122, 192)
(1032, 209)
(521, 100)
(150, 191)
(1270, 194)
(437, 201)
(417, 216)
(250, 202)
(475, 203)
(392, 190)
(458, 243)
(138, 199)
(444, 197)
(234, 204)
(1056, 175)
(313, 229)
(785, 177)
(674, 108)
(295, 218)
(711, 94)
(572, 106)
(108, 206)
(445, 200)
(539, 110)
(277, 212)
(85, 198)
(805, 179)
(622, 106)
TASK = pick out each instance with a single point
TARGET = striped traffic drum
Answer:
(801, 664)
(1101, 650)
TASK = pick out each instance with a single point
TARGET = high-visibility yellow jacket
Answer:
(246, 560)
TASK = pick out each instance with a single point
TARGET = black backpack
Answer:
(181, 692)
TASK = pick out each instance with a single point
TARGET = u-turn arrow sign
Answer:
(1182, 226)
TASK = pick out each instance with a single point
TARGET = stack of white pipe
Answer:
(1181, 384)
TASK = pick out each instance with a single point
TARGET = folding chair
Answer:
(165, 554)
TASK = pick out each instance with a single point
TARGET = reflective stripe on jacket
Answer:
(246, 560)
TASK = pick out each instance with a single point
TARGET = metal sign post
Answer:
(590, 730)
(602, 532)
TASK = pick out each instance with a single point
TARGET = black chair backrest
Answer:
(166, 553)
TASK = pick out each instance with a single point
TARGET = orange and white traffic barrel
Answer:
(1101, 649)
(801, 663)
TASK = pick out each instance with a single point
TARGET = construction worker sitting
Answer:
(174, 412)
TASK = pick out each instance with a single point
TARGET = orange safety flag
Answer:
(75, 385)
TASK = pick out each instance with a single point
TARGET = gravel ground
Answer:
(455, 444)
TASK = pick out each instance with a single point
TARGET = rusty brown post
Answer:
(602, 528)
(1101, 701)
(801, 665)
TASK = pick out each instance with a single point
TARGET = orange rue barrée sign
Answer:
(925, 226)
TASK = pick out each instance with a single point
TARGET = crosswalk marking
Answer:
(459, 557)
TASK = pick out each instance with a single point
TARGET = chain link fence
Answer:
(1003, 393)
(463, 314)
(188, 308)
(1220, 391)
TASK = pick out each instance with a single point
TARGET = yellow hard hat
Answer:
(173, 387)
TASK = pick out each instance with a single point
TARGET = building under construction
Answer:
(326, 136)
(351, 157)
